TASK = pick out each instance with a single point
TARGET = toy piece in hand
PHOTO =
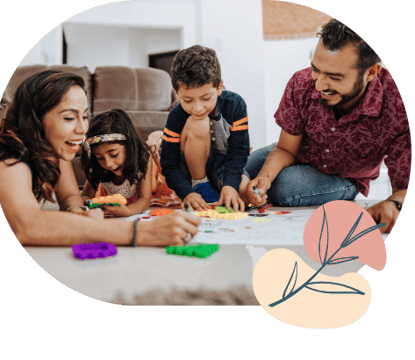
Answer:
(93, 251)
(199, 250)
(111, 200)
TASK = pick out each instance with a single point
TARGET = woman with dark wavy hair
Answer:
(42, 131)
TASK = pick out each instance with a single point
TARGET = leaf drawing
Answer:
(363, 233)
(333, 288)
(293, 277)
(346, 239)
(342, 260)
(327, 287)
(325, 222)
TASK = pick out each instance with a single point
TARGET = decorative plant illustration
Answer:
(335, 288)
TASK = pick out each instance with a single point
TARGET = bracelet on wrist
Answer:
(133, 240)
(397, 203)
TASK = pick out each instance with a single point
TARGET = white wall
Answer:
(234, 29)
(125, 33)
(48, 51)
(282, 58)
(96, 45)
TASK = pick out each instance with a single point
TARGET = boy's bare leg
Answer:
(195, 144)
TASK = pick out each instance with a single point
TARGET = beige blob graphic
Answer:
(326, 302)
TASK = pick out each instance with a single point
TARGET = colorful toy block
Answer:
(111, 200)
(198, 250)
(217, 215)
(93, 251)
(161, 212)
(223, 209)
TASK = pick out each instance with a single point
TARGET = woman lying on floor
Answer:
(39, 136)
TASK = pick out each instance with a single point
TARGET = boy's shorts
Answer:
(215, 170)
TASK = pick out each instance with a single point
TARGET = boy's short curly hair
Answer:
(336, 35)
(194, 67)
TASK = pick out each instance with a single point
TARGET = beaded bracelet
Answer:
(133, 241)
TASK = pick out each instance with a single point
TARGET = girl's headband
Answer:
(100, 139)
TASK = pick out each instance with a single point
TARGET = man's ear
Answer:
(373, 71)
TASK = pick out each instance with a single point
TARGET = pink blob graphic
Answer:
(341, 216)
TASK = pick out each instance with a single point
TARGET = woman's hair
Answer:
(22, 134)
(116, 121)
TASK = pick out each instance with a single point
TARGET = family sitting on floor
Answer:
(339, 119)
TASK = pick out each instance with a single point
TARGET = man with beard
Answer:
(339, 119)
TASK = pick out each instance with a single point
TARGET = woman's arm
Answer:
(68, 194)
(33, 226)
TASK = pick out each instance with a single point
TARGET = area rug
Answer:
(235, 296)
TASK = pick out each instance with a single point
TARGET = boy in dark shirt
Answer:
(205, 141)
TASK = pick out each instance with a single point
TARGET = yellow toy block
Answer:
(227, 216)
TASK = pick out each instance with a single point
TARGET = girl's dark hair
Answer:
(22, 134)
(137, 152)
(336, 35)
(194, 67)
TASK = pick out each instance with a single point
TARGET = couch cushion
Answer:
(131, 89)
(23, 72)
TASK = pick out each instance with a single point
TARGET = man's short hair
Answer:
(194, 67)
(336, 35)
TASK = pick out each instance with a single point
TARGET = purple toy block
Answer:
(93, 251)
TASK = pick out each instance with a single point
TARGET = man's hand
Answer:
(195, 201)
(384, 212)
(262, 184)
(231, 198)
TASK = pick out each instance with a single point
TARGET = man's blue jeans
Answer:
(300, 185)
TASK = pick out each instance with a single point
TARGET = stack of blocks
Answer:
(225, 216)
(93, 251)
(111, 200)
(197, 250)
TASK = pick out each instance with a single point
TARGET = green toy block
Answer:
(197, 250)
(223, 209)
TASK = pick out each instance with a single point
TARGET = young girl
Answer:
(116, 161)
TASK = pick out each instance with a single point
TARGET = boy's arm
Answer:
(170, 157)
(238, 147)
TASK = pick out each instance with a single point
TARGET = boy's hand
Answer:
(195, 201)
(119, 211)
(231, 198)
(262, 184)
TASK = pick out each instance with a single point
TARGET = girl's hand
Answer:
(168, 230)
(119, 211)
(231, 198)
(195, 201)
(96, 213)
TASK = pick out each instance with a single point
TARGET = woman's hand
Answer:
(168, 230)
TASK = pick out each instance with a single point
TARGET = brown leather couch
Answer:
(146, 94)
